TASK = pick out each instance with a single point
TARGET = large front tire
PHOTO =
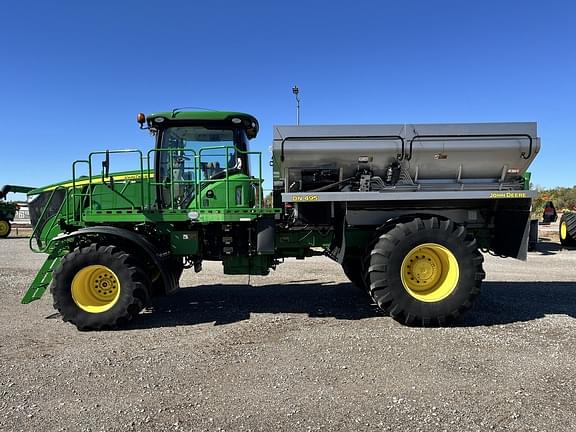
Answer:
(99, 287)
(425, 272)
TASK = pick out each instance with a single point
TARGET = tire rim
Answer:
(4, 228)
(95, 289)
(430, 272)
(563, 231)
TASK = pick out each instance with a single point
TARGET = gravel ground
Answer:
(300, 350)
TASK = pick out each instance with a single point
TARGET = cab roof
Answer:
(232, 117)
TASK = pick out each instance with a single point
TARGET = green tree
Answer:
(564, 199)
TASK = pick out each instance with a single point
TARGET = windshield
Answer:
(190, 154)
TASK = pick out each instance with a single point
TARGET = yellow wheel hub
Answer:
(95, 289)
(563, 231)
(4, 228)
(430, 272)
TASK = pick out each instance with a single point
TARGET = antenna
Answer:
(296, 92)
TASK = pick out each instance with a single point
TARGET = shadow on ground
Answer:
(499, 303)
(510, 302)
(223, 304)
(550, 248)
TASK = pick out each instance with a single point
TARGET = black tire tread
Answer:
(570, 220)
(355, 272)
(382, 289)
(136, 298)
(9, 228)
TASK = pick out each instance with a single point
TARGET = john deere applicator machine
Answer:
(405, 209)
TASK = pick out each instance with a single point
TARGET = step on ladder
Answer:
(42, 279)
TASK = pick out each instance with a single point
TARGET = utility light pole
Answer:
(296, 92)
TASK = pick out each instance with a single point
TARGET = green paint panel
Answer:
(358, 238)
(301, 243)
(184, 242)
(96, 179)
(242, 265)
(308, 237)
(527, 176)
(232, 192)
(120, 195)
(236, 215)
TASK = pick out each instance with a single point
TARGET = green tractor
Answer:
(114, 240)
(404, 210)
(8, 209)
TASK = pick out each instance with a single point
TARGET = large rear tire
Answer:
(568, 229)
(5, 228)
(354, 270)
(99, 287)
(425, 272)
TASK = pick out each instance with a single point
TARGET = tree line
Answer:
(563, 198)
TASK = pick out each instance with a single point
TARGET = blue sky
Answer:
(74, 74)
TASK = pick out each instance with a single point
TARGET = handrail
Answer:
(108, 152)
(237, 150)
(170, 151)
(197, 181)
(74, 186)
(74, 199)
(523, 154)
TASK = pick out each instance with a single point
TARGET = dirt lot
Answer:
(299, 350)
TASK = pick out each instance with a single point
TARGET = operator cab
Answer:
(194, 149)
